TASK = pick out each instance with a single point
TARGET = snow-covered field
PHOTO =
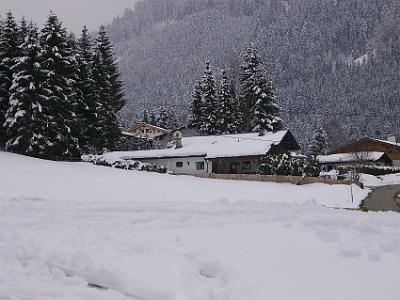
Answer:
(161, 237)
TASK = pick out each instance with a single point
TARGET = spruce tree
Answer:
(167, 118)
(145, 116)
(9, 51)
(228, 121)
(28, 119)
(60, 63)
(210, 109)
(86, 102)
(319, 144)
(108, 92)
(153, 119)
(260, 112)
(196, 107)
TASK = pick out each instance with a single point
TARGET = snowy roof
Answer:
(217, 146)
(349, 157)
(386, 142)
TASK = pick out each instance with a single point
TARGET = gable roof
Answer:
(141, 125)
(217, 146)
(351, 157)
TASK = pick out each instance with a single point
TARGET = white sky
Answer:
(73, 13)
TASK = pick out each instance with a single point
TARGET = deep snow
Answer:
(159, 237)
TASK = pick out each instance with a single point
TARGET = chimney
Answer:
(392, 138)
(178, 139)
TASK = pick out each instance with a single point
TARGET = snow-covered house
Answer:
(366, 144)
(373, 158)
(220, 154)
(145, 131)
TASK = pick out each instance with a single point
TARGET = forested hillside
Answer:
(334, 63)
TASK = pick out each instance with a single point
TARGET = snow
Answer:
(374, 181)
(151, 236)
(217, 146)
(348, 157)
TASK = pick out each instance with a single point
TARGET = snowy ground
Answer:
(160, 237)
(375, 181)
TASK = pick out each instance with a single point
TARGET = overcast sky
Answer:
(73, 13)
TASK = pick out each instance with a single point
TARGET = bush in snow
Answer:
(125, 164)
(286, 165)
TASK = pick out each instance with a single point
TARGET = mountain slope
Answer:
(334, 63)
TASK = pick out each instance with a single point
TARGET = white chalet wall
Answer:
(189, 164)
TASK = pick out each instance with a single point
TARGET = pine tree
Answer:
(145, 116)
(9, 42)
(196, 107)
(86, 102)
(60, 63)
(108, 91)
(153, 119)
(28, 119)
(167, 118)
(260, 112)
(210, 109)
(319, 144)
(229, 121)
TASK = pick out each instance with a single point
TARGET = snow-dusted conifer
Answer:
(167, 118)
(258, 99)
(196, 107)
(229, 110)
(9, 43)
(210, 103)
(319, 144)
(108, 92)
(153, 118)
(28, 119)
(60, 63)
(86, 108)
(145, 116)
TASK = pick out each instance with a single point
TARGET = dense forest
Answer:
(335, 63)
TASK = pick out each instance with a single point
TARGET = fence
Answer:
(298, 180)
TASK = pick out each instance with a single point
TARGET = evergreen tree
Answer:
(86, 102)
(196, 107)
(229, 110)
(145, 116)
(319, 144)
(60, 63)
(108, 92)
(258, 99)
(210, 109)
(9, 42)
(167, 118)
(28, 119)
(153, 118)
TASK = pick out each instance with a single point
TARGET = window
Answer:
(200, 165)
(179, 164)
(246, 165)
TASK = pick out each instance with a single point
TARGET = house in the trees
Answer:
(370, 145)
(162, 141)
(220, 154)
(145, 131)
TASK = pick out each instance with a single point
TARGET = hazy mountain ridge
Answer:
(306, 45)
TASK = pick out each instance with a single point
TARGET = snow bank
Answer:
(373, 181)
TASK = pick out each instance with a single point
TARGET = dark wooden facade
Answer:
(370, 145)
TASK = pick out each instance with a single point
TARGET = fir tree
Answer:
(28, 118)
(108, 92)
(196, 107)
(60, 63)
(229, 110)
(153, 119)
(167, 118)
(86, 102)
(319, 144)
(260, 112)
(210, 109)
(145, 116)
(9, 51)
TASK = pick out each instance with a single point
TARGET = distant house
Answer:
(162, 141)
(390, 147)
(145, 131)
(338, 160)
(220, 154)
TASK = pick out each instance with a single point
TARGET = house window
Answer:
(200, 165)
(246, 165)
(179, 164)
